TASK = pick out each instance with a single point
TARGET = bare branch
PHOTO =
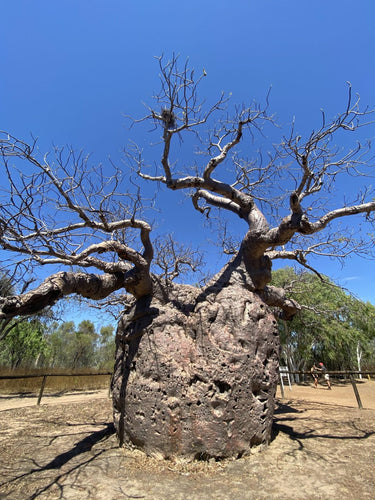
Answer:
(179, 110)
(364, 208)
(175, 259)
(63, 213)
(319, 162)
(57, 286)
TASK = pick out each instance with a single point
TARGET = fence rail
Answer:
(347, 373)
(53, 374)
(342, 372)
(44, 377)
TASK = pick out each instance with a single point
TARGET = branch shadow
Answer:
(311, 434)
(80, 448)
(287, 419)
(283, 408)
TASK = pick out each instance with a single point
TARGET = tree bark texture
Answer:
(196, 371)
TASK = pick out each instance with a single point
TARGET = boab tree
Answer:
(196, 367)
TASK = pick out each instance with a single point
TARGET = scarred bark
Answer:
(196, 369)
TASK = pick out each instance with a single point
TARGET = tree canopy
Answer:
(33, 343)
(75, 347)
(61, 211)
(209, 351)
(332, 326)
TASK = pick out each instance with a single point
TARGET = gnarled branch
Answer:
(55, 287)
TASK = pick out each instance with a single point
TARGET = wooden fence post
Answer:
(42, 389)
(355, 389)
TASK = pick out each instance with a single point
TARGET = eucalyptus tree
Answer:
(196, 367)
(24, 344)
(332, 326)
(75, 347)
(22, 341)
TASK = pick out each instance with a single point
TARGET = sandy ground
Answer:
(323, 448)
(10, 402)
(341, 394)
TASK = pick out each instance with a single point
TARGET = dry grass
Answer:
(54, 384)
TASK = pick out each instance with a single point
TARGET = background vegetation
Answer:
(40, 343)
(333, 327)
(37, 343)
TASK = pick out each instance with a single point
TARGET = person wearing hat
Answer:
(323, 369)
(316, 371)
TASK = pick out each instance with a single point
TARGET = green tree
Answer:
(6, 289)
(24, 344)
(59, 338)
(106, 348)
(22, 340)
(83, 346)
(331, 326)
(362, 319)
(80, 347)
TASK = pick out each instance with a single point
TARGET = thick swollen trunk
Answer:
(196, 370)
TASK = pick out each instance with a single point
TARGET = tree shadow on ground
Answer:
(77, 451)
(81, 447)
(286, 413)
(282, 408)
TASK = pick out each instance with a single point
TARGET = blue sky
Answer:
(72, 68)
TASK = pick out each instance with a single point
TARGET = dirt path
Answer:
(322, 449)
(341, 394)
(9, 402)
